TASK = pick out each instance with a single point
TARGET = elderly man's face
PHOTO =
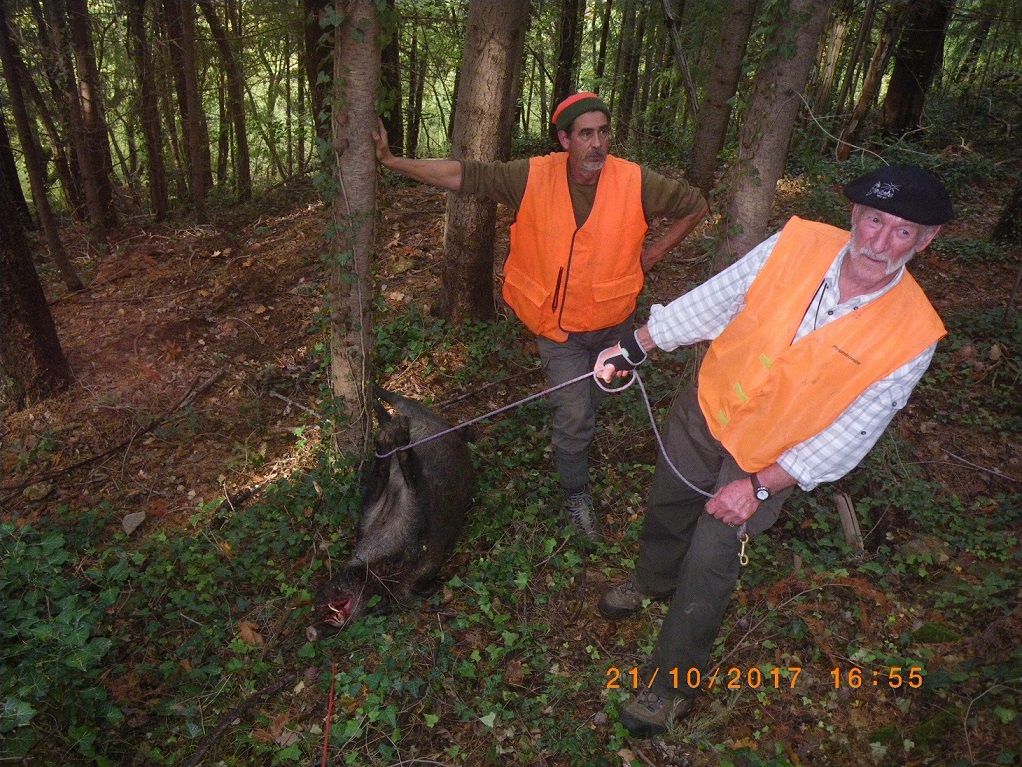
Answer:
(881, 244)
(587, 146)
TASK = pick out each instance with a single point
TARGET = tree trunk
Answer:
(918, 56)
(391, 62)
(33, 156)
(874, 76)
(601, 57)
(86, 161)
(93, 111)
(1009, 226)
(196, 130)
(356, 78)
(852, 68)
(629, 72)
(674, 11)
(568, 44)
(10, 175)
(318, 64)
(832, 44)
(715, 111)
(30, 351)
(494, 41)
(981, 30)
(768, 125)
(235, 99)
(149, 114)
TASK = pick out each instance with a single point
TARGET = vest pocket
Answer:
(616, 298)
(520, 285)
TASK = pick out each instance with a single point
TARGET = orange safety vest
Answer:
(560, 279)
(760, 393)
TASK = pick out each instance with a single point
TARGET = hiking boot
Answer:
(624, 600)
(580, 509)
(648, 714)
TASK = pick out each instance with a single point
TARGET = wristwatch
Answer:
(761, 491)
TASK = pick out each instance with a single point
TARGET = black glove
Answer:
(627, 354)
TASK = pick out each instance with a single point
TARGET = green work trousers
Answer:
(688, 553)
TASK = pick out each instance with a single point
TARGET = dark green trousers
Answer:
(685, 551)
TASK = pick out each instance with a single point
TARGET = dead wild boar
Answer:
(413, 510)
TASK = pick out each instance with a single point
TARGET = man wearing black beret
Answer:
(577, 262)
(818, 337)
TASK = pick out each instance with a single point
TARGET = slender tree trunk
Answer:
(770, 120)
(33, 157)
(392, 83)
(715, 111)
(10, 175)
(918, 56)
(318, 64)
(981, 31)
(149, 113)
(93, 111)
(569, 41)
(674, 11)
(601, 57)
(356, 78)
(30, 351)
(854, 62)
(235, 99)
(494, 40)
(629, 73)
(196, 131)
(413, 88)
(870, 87)
(88, 162)
(832, 44)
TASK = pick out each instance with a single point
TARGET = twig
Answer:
(505, 379)
(967, 462)
(192, 392)
(329, 715)
(235, 713)
(296, 404)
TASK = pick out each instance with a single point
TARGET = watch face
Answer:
(762, 493)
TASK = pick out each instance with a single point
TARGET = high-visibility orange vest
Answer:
(560, 279)
(760, 393)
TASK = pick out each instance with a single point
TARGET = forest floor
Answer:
(197, 355)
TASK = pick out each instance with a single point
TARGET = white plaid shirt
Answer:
(704, 312)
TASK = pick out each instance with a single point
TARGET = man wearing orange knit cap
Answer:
(577, 260)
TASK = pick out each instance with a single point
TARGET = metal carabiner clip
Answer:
(743, 536)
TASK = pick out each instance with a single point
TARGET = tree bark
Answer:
(33, 156)
(865, 27)
(10, 175)
(318, 64)
(569, 41)
(93, 110)
(235, 99)
(149, 113)
(196, 129)
(30, 351)
(674, 11)
(601, 56)
(391, 62)
(832, 44)
(494, 41)
(356, 79)
(630, 74)
(870, 87)
(770, 120)
(918, 56)
(715, 111)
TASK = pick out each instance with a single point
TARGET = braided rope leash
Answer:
(743, 536)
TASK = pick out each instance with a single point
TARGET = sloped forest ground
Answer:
(199, 401)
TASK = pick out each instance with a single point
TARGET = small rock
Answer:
(37, 491)
(131, 522)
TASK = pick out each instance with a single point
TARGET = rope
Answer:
(635, 377)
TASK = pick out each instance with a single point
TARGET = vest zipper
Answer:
(557, 289)
(566, 271)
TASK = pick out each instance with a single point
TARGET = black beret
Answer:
(905, 191)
